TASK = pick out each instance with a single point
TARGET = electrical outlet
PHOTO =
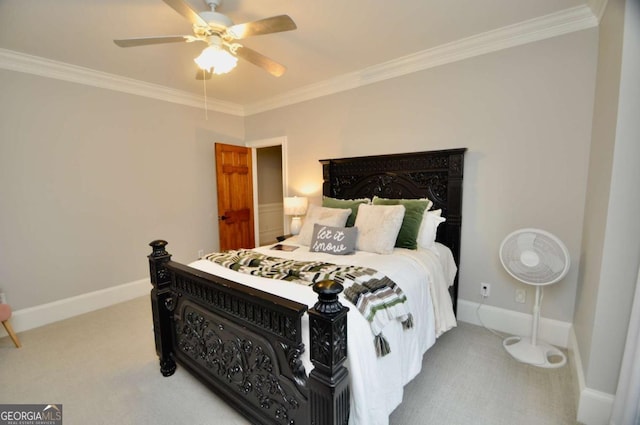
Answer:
(200, 253)
(485, 289)
(521, 295)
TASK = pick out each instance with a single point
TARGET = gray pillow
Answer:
(333, 240)
(321, 215)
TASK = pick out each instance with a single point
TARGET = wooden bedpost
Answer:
(160, 305)
(328, 381)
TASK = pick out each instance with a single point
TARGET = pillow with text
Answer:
(333, 240)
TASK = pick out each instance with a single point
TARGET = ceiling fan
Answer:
(219, 32)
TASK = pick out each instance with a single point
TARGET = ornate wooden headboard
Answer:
(436, 175)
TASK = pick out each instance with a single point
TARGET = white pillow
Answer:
(335, 217)
(428, 229)
(378, 227)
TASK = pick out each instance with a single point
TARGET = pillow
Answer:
(429, 228)
(385, 201)
(378, 227)
(415, 208)
(352, 204)
(333, 240)
(336, 217)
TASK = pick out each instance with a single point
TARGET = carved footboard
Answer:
(246, 344)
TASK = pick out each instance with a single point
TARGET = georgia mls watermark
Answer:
(30, 414)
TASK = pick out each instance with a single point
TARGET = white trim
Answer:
(21, 62)
(34, 317)
(552, 25)
(626, 407)
(512, 322)
(265, 143)
(597, 7)
(271, 207)
(593, 407)
(575, 362)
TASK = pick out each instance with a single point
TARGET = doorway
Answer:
(269, 189)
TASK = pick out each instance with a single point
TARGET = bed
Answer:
(284, 360)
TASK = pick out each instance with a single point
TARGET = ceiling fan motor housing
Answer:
(213, 4)
(217, 21)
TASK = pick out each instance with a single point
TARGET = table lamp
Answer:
(295, 206)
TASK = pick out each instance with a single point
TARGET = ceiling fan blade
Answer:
(144, 41)
(269, 65)
(203, 74)
(185, 10)
(263, 26)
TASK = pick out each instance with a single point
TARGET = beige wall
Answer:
(88, 177)
(599, 179)
(610, 249)
(523, 113)
(269, 166)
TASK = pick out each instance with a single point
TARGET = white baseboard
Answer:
(514, 323)
(594, 407)
(34, 317)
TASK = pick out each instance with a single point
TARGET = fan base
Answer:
(541, 354)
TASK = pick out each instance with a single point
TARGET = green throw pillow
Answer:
(351, 204)
(414, 210)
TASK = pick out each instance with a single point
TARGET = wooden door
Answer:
(235, 196)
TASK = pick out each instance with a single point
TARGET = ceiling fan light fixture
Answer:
(219, 32)
(216, 59)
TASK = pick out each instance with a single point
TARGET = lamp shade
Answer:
(295, 205)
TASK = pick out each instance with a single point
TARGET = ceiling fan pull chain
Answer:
(204, 85)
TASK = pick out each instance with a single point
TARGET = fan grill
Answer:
(534, 258)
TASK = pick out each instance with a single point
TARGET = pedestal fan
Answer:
(537, 258)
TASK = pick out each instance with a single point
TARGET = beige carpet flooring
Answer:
(103, 369)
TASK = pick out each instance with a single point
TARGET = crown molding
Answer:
(597, 7)
(21, 62)
(563, 22)
(555, 24)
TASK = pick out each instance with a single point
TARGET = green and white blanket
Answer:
(375, 296)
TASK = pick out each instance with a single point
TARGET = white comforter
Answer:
(376, 383)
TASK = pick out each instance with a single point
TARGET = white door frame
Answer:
(265, 143)
(626, 407)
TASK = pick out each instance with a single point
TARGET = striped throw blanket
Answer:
(374, 295)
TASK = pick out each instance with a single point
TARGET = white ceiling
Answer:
(334, 37)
